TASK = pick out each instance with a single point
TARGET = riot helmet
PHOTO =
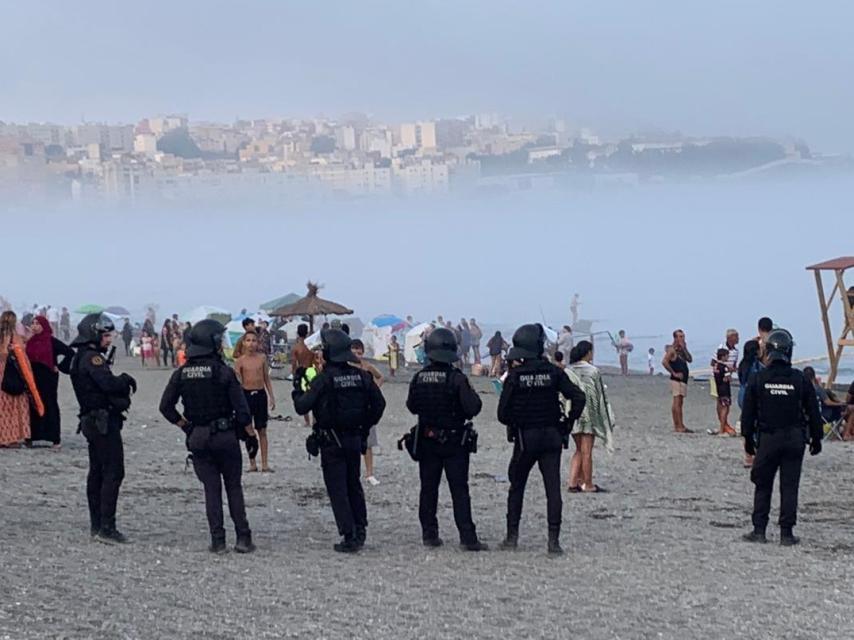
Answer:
(92, 328)
(529, 343)
(336, 346)
(205, 338)
(441, 346)
(779, 346)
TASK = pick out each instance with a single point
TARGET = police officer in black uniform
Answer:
(779, 417)
(214, 409)
(103, 399)
(442, 398)
(346, 403)
(530, 407)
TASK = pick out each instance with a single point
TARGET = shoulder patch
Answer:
(97, 361)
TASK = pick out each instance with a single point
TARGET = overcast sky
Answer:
(776, 67)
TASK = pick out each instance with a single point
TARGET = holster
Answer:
(470, 437)
(95, 421)
(511, 432)
(565, 429)
(411, 441)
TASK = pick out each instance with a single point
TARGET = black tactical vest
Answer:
(435, 398)
(204, 393)
(535, 402)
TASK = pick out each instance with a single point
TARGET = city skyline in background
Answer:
(729, 69)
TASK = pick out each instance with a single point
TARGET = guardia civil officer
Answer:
(442, 398)
(780, 416)
(103, 399)
(346, 403)
(530, 407)
(214, 409)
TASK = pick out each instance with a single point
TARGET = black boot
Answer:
(111, 536)
(757, 535)
(244, 544)
(475, 545)
(217, 546)
(511, 542)
(787, 538)
(432, 541)
(361, 536)
(349, 544)
(554, 541)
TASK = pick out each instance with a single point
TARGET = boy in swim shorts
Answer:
(253, 371)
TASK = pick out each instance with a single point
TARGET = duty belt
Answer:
(220, 424)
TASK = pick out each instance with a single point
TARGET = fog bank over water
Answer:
(699, 257)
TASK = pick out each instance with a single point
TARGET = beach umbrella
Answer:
(117, 311)
(207, 312)
(311, 305)
(396, 324)
(86, 309)
(280, 302)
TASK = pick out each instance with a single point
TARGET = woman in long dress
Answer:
(48, 357)
(14, 409)
(595, 422)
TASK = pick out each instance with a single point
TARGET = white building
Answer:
(345, 138)
(145, 144)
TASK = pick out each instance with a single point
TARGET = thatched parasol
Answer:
(312, 306)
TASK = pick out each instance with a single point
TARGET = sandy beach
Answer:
(658, 556)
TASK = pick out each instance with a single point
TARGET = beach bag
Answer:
(13, 381)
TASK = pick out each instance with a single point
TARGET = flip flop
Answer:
(574, 489)
(596, 489)
(267, 470)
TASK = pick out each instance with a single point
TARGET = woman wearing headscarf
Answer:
(596, 421)
(14, 405)
(48, 356)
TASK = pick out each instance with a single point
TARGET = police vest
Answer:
(203, 392)
(780, 390)
(535, 399)
(435, 398)
(345, 402)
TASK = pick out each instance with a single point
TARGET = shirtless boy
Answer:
(253, 371)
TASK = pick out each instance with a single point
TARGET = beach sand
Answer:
(657, 557)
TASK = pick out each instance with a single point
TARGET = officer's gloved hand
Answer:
(129, 380)
(815, 446)
(749, 446)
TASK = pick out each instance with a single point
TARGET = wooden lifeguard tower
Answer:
(846, 338)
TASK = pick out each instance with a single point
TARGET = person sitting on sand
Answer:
(358, 349)
(676, 361)
(253, 371)
(595, 421)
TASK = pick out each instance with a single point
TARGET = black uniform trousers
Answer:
(106, 472)
(342, 468)
(217, 460)
(541, 447)
(453, 459)
(783, 450)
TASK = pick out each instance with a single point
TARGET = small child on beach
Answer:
(650, 362)
(358, 349)
(723, 382)
(253, 371)
(181, 354)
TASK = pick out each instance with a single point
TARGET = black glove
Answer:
(815, 446)
(129, 380)
(749, 446)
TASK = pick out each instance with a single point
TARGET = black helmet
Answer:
(205, 338)
(779, 346)
(336, 346)
(441, 346)
(529, 343)
(92, 328)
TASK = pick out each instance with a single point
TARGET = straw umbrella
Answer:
(312, 306)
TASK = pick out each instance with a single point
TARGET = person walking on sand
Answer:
(127, 336)
(722, 372)
(650, 361)
(595, 422)
(253, 372)
(476, 336)
(65, 325)
(14, 405)
(497, 345)
(676, 361)
(358, 349)
(624, 347)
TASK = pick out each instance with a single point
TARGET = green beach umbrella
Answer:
(86, 309)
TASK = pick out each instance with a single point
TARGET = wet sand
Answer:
(657, 557)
